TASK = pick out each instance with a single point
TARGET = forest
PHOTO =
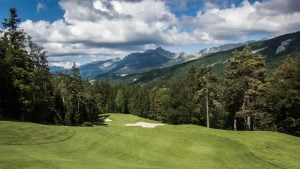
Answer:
(249, 97)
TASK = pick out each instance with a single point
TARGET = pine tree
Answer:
(282, 100)
(120, 101)
(206, 89)
(43, 89)
(246, 72)
(20, 68)
(160, 103)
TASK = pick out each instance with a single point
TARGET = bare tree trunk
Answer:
(234, 124)
(248, 122)
(207, 115)
(247, 117)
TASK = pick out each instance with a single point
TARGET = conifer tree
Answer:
(120, 101)
(206, 89)
(20, 68)
(246, 72)
(282, 99)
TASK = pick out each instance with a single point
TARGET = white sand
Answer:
(107, 120)
(144, 125)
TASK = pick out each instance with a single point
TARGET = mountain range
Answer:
(160, 64)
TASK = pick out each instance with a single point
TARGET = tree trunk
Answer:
(234, 124)
(207, 115)
(248, 122)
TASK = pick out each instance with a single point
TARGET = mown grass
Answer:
(34, 146)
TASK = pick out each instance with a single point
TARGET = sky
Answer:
(83, 31)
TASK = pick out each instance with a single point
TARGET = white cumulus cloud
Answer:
(100, 29)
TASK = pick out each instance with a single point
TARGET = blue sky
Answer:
(27, 9)
(87, 30)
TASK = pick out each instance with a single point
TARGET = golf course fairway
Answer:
(116, 146)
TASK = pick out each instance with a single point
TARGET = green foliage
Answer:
(23, 95)
(282, 100)
(247, 73)
(120, 101)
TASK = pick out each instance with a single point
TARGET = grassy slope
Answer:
(27, 145)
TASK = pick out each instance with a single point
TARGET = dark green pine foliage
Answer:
(107, 96)
(120, 101)
(43, 99)
(282, 100)
(246, 81)
(206, 90)
(19, 68)
(3, 79)
(181, 104)
(90, 105)
(159, 99)
(26, 91)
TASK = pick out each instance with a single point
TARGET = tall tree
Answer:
(120, 101)
(43, 89)
(282, 100)
(206, 88)
(246, 71)
(159, 104)
(20, 68)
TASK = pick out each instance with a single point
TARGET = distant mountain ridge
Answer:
(274, 50)
(154, 64)
(132, 63)
(139, 62)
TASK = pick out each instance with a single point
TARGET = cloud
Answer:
(273, 16)
(102, 29)
(40, 6)
(106, 28)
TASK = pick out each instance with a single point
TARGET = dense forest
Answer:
(249, 98)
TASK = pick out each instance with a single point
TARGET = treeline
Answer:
(247, 98)
(28, 92)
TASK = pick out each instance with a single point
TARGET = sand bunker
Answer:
(107, 120)
(144, 125)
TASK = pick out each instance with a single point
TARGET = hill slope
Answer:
(27, 145)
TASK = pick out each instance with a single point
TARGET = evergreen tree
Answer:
(282, 100)
(43, 89)
(20, 70)
(206, 88)
(246, 73)
(120, 101)
(159, 106)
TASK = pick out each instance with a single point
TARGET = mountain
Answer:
(132, 63)
(221, 48)
(183, 57)
(138, 61)
(57, 69)
(90, 70)
(275, 50)
(143, 62)
(160, 64)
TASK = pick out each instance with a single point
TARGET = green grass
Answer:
(34, 146)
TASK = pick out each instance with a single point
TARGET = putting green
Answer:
(34, 146)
